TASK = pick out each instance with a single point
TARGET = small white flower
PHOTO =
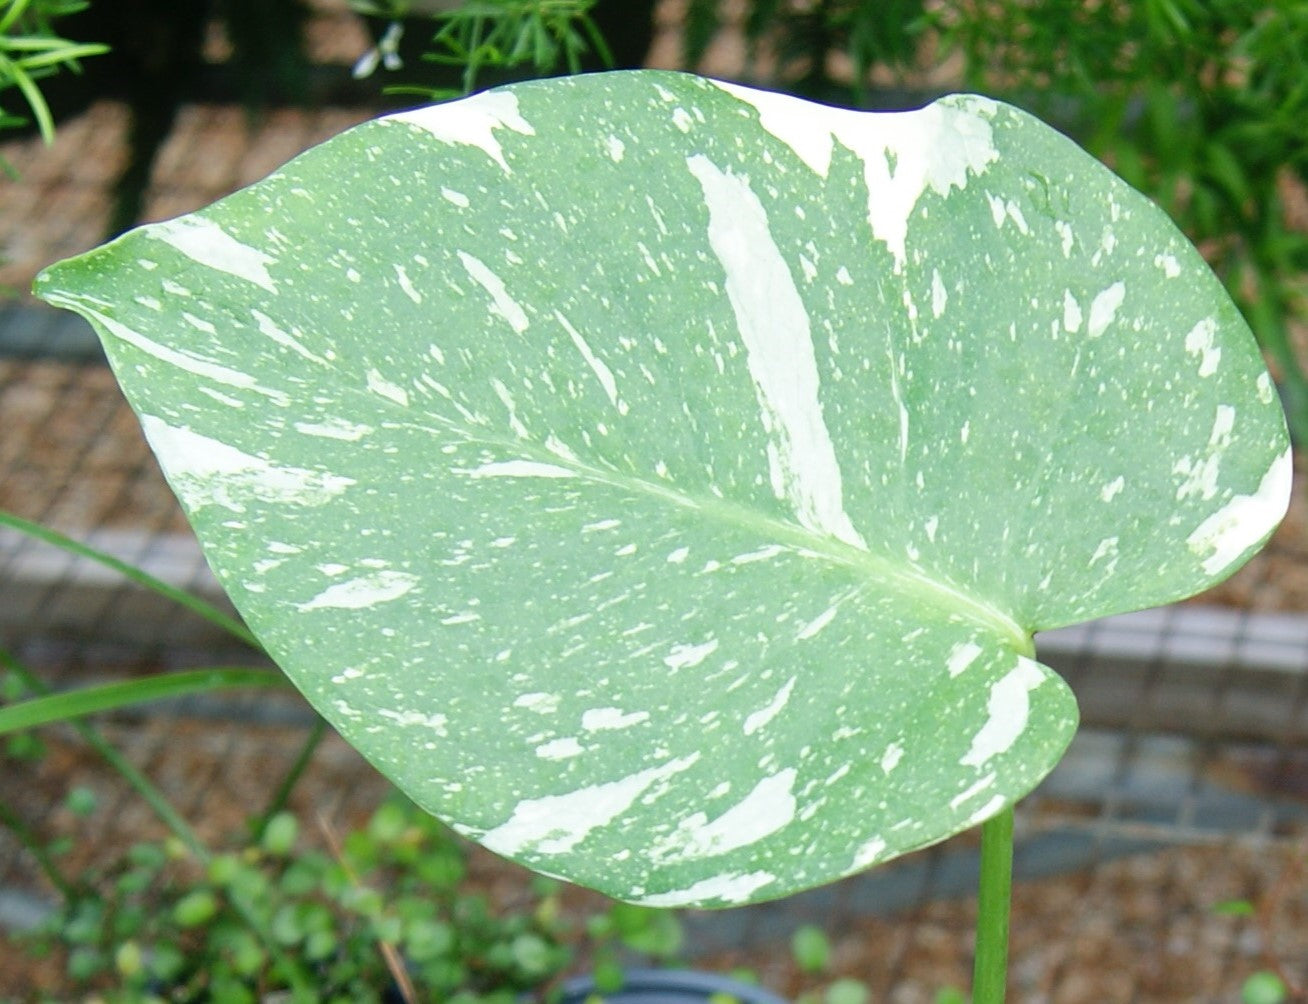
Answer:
(385, 53)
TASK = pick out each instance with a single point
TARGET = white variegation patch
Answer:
(472, 121)
(206, 243)
(555, 824)
(207, 472)
(774, 326)
(1245, 520)
(1008, 710)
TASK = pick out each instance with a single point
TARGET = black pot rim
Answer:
(669, 986)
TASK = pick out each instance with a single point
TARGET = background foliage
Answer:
(1199, 103)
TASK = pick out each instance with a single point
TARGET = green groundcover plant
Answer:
(388, 912)
(663, 481)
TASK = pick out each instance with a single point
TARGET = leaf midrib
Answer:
(937, 591)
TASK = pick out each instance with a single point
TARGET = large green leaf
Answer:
(663, 481)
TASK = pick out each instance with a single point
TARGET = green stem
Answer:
(278, 802)
(138, 781)
(295, 973)
(180, 596)
(44, 859)
(990, 974)
(60, 707)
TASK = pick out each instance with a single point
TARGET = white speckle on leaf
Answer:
(764, 715)
(205, 471)
(1201, 341)
(1201, 475)
(199, 323)
(1107, 549)
(769, 807)
(1002, 209)
(1245, 520)
(1171, 268)
(502, 304)
(813, 627)
(764, 553)
(986, 811)
(939, 295)
(719, 890)
(602, 373)
(891, 757)
(334, 428)
(560, 749)
(1114, 488)
(1008, 706)
(462, 617)
(605, 719)
(681, 119)
(378, 384)
(520, 469)
(1266, 389)
(774, 327)
(458, 198)
(679, 555)
(1071, 312)
(406, 284)
(1103, 308)
(689, 656)
(436, 723)
(555, 824)
(1064, 230)
(961, 656)
(972, 790)
(362, 592)
(616, 148)
(511, 407)
(206, 243)
(269, 328)
(868, 854)
(996, 204)
(539, 702)
(470, 121)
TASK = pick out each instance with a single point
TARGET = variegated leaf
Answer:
(662, 481)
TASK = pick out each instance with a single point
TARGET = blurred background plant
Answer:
(389, 911)
(1199, 103)
(30, 51)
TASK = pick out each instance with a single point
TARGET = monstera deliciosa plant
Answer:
(663, 481)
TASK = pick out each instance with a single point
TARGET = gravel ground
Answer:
(1142, 928)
